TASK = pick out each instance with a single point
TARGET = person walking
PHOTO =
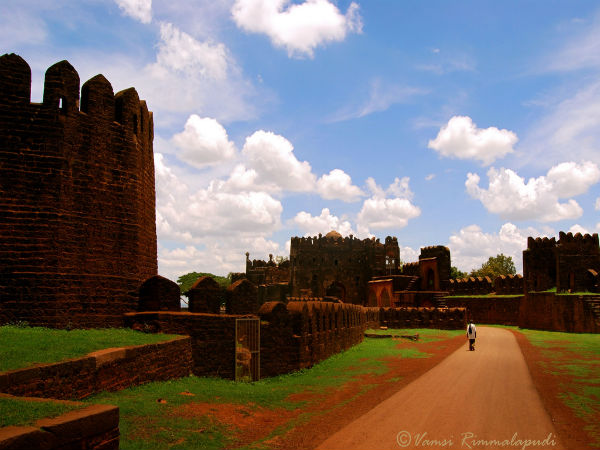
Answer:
(471, 335)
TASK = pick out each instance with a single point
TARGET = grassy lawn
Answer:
(151, 419)
(24, 346)
(17, 411)
(575, 359)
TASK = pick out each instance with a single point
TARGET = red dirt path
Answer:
(329, 417)
(481, 399)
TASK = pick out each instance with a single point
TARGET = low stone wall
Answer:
(95, 428)
(300, 334)
(440, 318)
(489, 310)
(552, 312)
(212, 337)
(110, 369)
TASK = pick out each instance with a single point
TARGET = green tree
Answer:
(457, 274)
(186, 281)
(496, 266)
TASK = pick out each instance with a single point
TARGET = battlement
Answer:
(77, 210)
(578, 243)
(62, 102)
(333, 241)
(540, 243)
(434, 249)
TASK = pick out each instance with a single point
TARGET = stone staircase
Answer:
(439, 300)
(413, 284)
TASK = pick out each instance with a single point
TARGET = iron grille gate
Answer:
(247, 349)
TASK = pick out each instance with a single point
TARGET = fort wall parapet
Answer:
(300, 334)
(488, 309)
(471, 286)
(104, 370)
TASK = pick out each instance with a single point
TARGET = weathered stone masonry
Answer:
(77, 201)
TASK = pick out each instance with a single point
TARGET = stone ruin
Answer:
(337, 266)
(77, 200)
(365, 272)
(570, 264)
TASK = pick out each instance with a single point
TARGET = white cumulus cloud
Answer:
(539, 198)
(297, 27)
(138, 9)
(338, 185)
(570, 179)
(579, 229)
(180, 52)
(204, 142)
(390, 208)
(471, 247)
(192, 215)
(409, 254)
(323, 223)
(272, 157)
(460, 138)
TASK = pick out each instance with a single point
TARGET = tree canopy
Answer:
(496, 266)
(457, 274)
(186, 281)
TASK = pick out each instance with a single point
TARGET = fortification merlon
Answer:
(98, 99)
(61, 88)
(61, 94)
(434, 250)
(15, 80)
(578, 243)
(540, 243)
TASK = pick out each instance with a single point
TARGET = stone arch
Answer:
(430, 282)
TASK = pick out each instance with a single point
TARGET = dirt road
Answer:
(471, 400)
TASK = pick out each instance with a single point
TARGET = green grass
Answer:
(16, 411)
(578, 293)
(24, 346)
(141, 414)
(575, 358)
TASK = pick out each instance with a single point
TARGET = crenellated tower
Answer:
(77, 199)
(576, 255)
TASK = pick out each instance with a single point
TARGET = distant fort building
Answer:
(337, 266)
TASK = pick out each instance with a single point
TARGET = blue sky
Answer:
(471, 124)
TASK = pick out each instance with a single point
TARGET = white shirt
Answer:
(473, 333)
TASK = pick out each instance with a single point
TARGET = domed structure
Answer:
(333, 234)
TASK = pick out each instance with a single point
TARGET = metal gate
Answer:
(247, 349)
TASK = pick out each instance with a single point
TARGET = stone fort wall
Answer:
(77, 200)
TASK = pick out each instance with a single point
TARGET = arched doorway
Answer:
(430, 280)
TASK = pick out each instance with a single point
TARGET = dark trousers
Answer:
(471, 344)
